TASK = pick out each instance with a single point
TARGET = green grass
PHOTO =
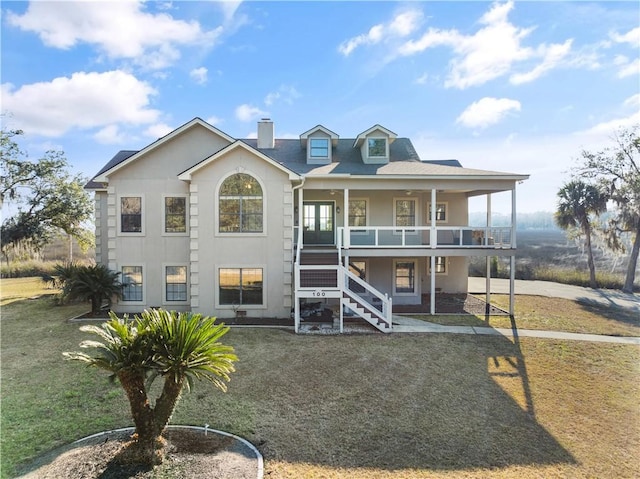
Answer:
(359, 406)
(554, 314)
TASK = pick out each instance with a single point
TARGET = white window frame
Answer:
(416, 277)
(216, 209)
(164, 284)
(446, 212)
(446, 266)
(242, 307)
(357, 231)
(164, 215)
(386, 146)
(415, 215)
(144, 282)
(142, 231)
(311, 156)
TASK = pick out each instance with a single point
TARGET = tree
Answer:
(577, 202)
(43, 192)
(617, 171)
(179, 347)
(94, 283)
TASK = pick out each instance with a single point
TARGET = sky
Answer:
(520, 87)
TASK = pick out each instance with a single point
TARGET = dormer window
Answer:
(319, 148)
(377, 147)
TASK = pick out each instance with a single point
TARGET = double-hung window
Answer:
(175, 283)
(441, 265)
(240, 205)
(441, 212)
(131, 214)
(405, 277)
(357, 212)
(132, 283)
(240, 286)
(319, 148)
(377, 147)
(175, 214)
(405, 212)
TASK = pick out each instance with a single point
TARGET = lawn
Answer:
(353, 406)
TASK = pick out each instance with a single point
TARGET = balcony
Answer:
(416, 237)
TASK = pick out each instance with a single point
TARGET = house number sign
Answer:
(318, 293)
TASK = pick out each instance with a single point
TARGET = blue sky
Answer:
(510, 86)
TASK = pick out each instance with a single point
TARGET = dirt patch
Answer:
(191, 455)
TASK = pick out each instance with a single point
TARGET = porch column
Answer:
(512, 284)
(514, 218)
(432, 305)
(300, 216)
(346, 240)
(512, 276)
(433, 236)
(486, 242)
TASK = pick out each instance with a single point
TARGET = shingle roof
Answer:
(346, 160)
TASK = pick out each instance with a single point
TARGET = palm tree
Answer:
(95, 283)
(577, 202)
(179, 347)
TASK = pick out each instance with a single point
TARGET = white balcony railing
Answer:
(421, 237)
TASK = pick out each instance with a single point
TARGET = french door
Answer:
(318, 223)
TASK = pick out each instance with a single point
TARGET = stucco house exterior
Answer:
(260, 228)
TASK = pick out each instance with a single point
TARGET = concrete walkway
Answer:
(616, 299)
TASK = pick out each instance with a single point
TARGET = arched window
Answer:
(240, 205)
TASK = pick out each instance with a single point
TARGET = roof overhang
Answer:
(319, 128)
(362, 136)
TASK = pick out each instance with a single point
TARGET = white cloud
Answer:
(552, 56)
(84, 100)
(492, 51)
(109, 135)
(628, 115)
(246, 112)
(199, 75)
(487, 111)
(123, 30)
(422, 79)
(158, 130)
(626, 67)
(287, 94)
(214, 120)
(400, 25)
(632, 37)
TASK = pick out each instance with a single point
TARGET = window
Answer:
(175, 283)
(240, 206)
(357, 212)
(175, 214)
(319, 147)
(441, 212)
(405, 214)
(441, 265)
(132, 283)
(131, 214)
(405, 279)
(377, 147)
(240, 286)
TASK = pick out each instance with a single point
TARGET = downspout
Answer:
(296, 258)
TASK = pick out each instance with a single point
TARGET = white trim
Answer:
(186, 214)
(216, 209)
(144, 281)
(186, 301)
(446, 212)
(357, 231)
(104, 177)
(416, 277)
(228, 307)
(143, 215)
(319, 160)
(386, 147)
(362, 136)
(447, 263)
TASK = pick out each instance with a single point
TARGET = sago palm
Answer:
(95, 283)
(577, 203)
(179, 347)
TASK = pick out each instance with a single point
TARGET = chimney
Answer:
(266, 134)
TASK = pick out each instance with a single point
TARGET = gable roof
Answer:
(186, 175)
(334, 136)
(105, 172)
(360, 138)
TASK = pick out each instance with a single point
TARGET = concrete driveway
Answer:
(607, 297)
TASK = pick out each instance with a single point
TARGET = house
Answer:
(262, 227)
